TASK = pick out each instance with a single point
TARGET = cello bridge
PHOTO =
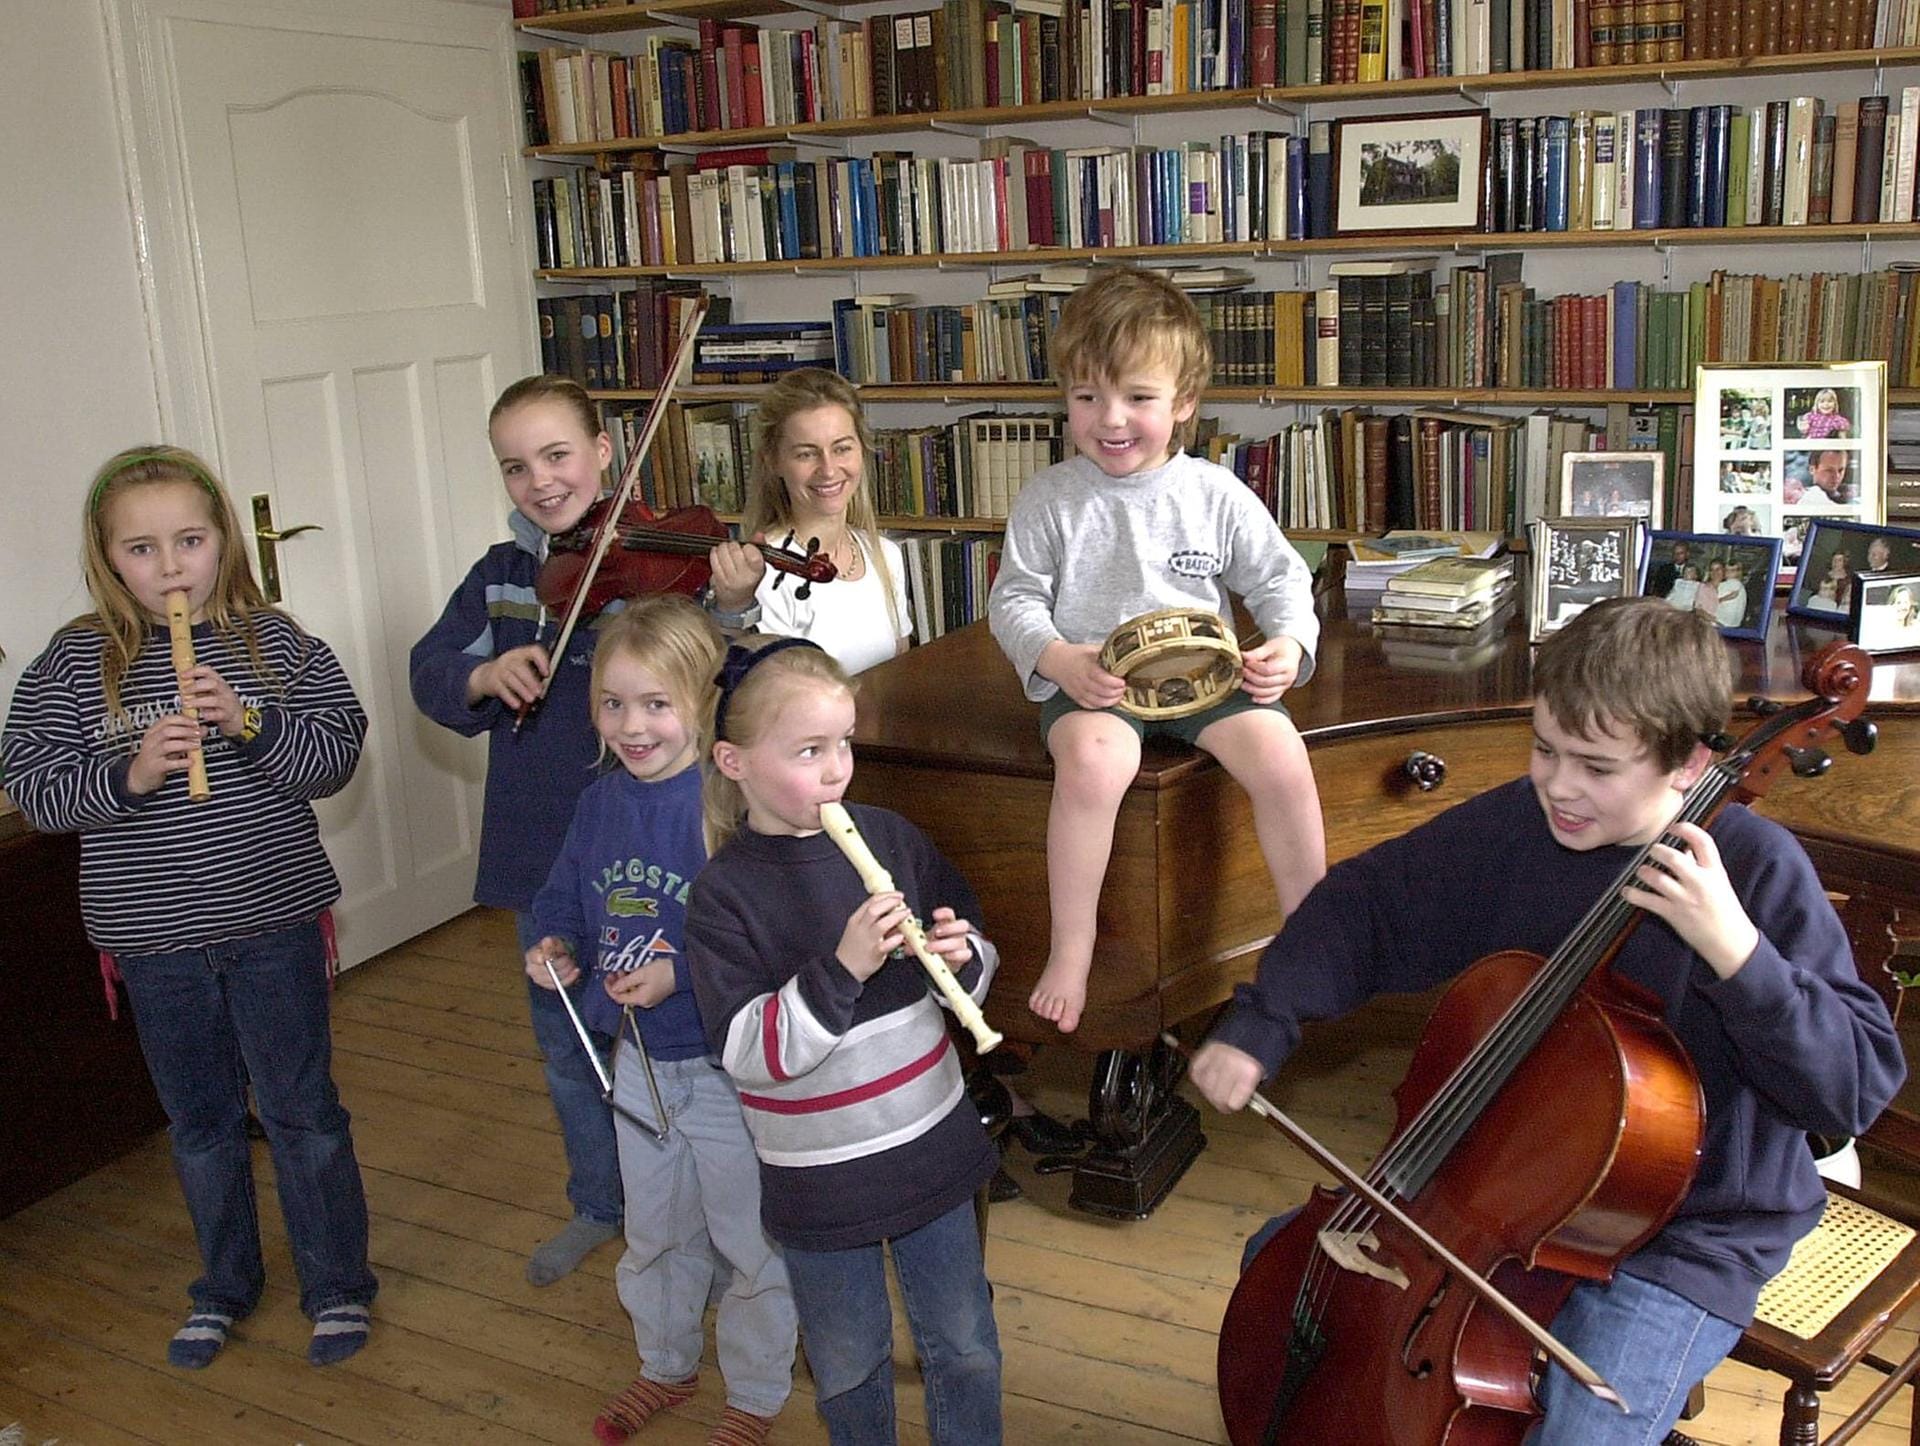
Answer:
(1349, 1249)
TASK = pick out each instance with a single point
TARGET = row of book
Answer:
(948, 579)
(1785, 162)
(972, 467)
(968, 54)
(768, 203)
(620, 340)
(697, 458)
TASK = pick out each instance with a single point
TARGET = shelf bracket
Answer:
(819, 7)
(1671, 85)
(1107, 118)
(662, 17)
(835, 144)
(959, 128)
(1267, 106)
(1470, 95)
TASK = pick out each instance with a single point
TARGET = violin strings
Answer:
(1413, 1158)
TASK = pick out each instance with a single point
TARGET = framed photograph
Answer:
(1886, 612)
(1777, 446)
(1727, 575)
(1578, 561)
(1612, 484)
(1834, 557)
(1402, 173)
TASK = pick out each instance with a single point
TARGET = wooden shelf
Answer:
(1046, 393)
(1459, 243)
(1284, 98)
(610, 19)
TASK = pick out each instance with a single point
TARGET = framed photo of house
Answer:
(1407, 173)
(1613, 484)
(1577, 562)
(1835, 557)
(1774, 446)
(1728, 576)
(1886, 612)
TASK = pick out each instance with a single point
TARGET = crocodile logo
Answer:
(622, 904)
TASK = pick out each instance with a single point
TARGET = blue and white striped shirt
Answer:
(161, 872)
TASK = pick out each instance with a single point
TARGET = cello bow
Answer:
(622, 494)
(1487, 1290)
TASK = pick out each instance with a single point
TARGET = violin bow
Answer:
(622, 494)
(1487, 1291)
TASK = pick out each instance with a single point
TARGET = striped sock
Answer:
(197, 1342)
(635, 1406)
(338, 1332)
(740, 1428)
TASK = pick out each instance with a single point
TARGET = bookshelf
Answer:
(1557, 263)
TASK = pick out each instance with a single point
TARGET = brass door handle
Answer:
(265, 536)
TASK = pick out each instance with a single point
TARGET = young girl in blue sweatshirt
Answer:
(617, 900)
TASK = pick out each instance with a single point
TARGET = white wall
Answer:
(76, 384)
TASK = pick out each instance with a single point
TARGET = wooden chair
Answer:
(1858, 1232)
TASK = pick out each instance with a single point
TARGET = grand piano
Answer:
(1399, 726)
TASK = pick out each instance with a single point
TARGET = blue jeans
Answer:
(209, 1019)
(1649, 1344)
(846, 1325)
(586, 1124)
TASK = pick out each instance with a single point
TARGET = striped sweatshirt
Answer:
(852, 1091)
(161, 872)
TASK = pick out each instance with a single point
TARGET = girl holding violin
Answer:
(809, 482)
(211, 905)
(480, 669)
(1738, 953)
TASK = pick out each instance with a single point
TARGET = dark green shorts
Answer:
(1186, 729)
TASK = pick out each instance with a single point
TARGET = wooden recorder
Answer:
(180, 629)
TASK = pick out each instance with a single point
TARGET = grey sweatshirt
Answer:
(1086, 552)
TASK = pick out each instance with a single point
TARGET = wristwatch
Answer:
(747, 617)
(249, 723)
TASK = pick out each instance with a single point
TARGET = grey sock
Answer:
(562, 1254)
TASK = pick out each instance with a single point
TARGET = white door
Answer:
(336, 296)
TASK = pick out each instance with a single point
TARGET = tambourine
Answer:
(1176, 662)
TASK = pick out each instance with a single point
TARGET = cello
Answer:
(1346, 1327)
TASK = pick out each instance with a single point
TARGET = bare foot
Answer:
(1061, 993)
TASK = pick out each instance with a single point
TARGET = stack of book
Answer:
(1372, 562)
(759, 351)
(1447, 592)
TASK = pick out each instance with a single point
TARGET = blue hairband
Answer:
(741, 661)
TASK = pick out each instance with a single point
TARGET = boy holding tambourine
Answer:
(1134, 524)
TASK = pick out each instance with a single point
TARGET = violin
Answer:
(655, 552)
(1369, 1317)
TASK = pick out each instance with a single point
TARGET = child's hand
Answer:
(218, 704)
(872, 933)
(516, 677)
(561, 953)
(1692, 892)
(1269, 670)
(1225, 1076)
(1076, 668)
(643, 987)
(949, 939)
(164, 748)
(737, 570)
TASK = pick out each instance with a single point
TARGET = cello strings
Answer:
(1478, 1077)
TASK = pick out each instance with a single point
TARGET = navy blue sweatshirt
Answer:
(618, 894)
(534, 776)
(852, 1091)
(1793, 1042)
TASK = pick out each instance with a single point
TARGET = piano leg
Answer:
(1145, 1135)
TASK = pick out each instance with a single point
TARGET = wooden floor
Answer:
(1107, 1329)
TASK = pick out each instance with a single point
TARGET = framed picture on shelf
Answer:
(1612, 484)
(1728, 575)
(1834, 557)
(1886, 612)
(1579, 561)
(1408, 173)
(1775, 447)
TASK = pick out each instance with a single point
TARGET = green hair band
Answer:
(172, 456)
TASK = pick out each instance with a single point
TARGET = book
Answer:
(1452, 577)
(1466, 618)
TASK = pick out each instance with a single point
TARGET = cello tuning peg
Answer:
(1808, 762)
(1859, 735)
(1764, 707)
(1718, 742)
